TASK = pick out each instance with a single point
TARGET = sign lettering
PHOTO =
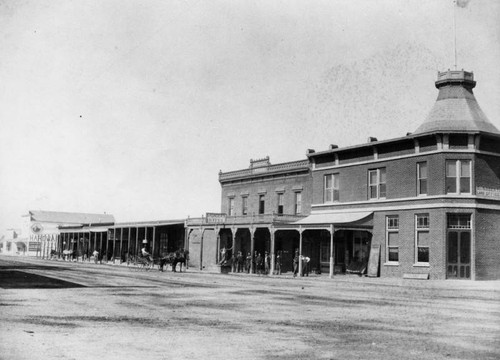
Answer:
(491, 193)
(215, 218)
(43, 237)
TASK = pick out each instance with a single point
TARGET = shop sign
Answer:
(36, 228)
(43, 237)
(373, 261)
(34, 246)
(487, 192)
(215, 218)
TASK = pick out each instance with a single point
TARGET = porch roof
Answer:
(335, 218)
(82, 229)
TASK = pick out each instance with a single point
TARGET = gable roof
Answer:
(70, 218)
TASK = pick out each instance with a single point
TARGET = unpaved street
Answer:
(59, 310)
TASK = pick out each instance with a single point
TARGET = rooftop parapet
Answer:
(264, 169)
(455, 77)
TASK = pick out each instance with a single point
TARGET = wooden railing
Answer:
(247, 219)
(455, 74)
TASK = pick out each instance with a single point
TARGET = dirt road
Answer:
(59, 310)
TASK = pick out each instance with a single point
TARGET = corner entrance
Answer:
(458, 247)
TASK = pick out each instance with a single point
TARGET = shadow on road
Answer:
(14, 279)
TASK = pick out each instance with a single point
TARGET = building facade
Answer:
(423, 205)
(58, 231)
(255, 204)
(118, 243)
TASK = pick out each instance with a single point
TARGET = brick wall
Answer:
(290, 185)
(487, 241)
(487, 170)
(437, 235)
(401, 177)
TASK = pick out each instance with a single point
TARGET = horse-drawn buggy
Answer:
(148, 262)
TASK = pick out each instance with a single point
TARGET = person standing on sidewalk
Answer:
(96, 255)
(248, 263)
(277, 267)
(240, 260)
(296, 259)
(267, 263)
(260, 264)
(234, 262)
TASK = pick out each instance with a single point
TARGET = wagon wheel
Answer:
(132, 264)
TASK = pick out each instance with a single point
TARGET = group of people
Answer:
(261, 263)
(305, 264)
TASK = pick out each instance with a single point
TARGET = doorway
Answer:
(459, 255)
(458, 247)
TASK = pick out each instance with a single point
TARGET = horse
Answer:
(181, 257)
(68, 254)
(166, 258)
(178, 257)
(53, 254)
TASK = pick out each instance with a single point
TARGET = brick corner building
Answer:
(423, 205)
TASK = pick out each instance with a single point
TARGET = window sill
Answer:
(391, 264)
(421, 265)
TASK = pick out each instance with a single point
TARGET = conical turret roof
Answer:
(456, 108)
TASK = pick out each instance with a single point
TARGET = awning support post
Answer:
(136, 241)
(252, 249)
(114, 245)
(273, 257)
(154, 242)
(332, 265)
(121, 246)
(128, 245)
(300, 250)
(201, 248)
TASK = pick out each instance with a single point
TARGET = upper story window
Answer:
(459, 141)
(458, 176)
(331, 188)
(298, 202)
(230, 207)
(280, 203)
(376, 183)
(392, 239)
(262, 204)
(422, 178)
(244, 205)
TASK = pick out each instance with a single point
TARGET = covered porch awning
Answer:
(83, 230)
(337, 218)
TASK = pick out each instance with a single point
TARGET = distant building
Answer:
(48, 230)
(423, 205)
(125, 240)
(13, 243)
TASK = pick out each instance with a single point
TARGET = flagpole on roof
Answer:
(455, 5)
